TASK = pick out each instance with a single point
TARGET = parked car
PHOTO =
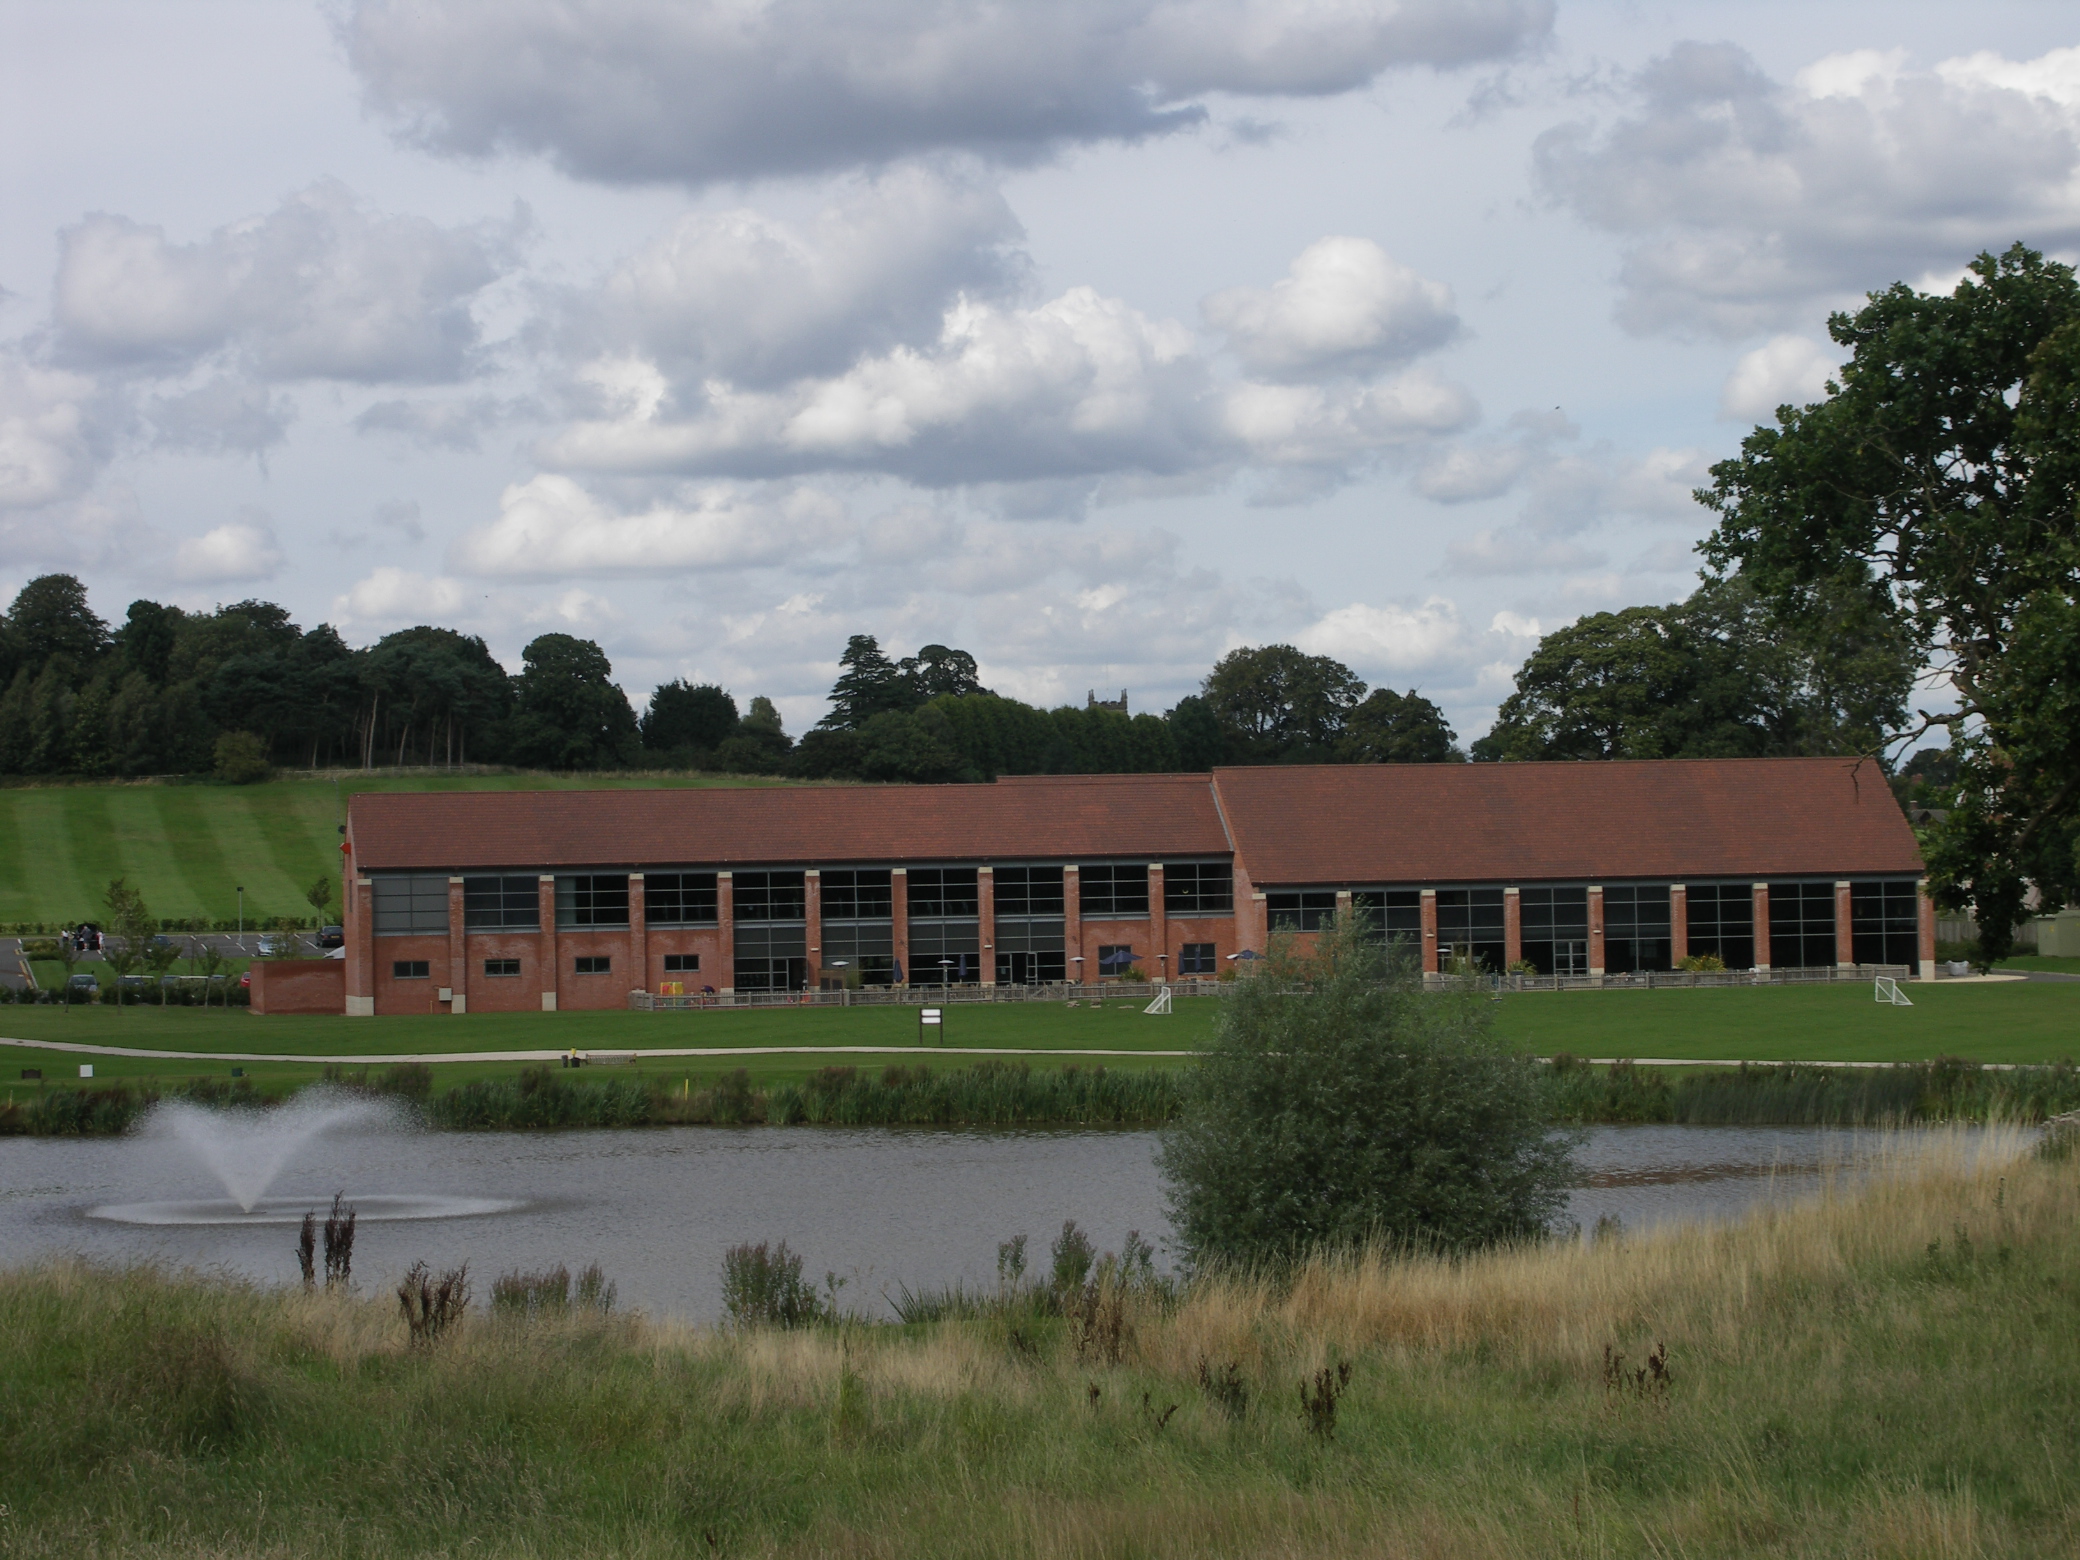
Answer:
(161, 944)
(135, 982)
(82, 982)
(277, 945)
(332, 937)
(246, 980)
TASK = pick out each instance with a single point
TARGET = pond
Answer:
(879, 1208)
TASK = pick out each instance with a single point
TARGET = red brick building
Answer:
(542, 900)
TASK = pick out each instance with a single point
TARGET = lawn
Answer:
(2053, 966)
(189, 847)
(2018, 1021)
(1887, 1372)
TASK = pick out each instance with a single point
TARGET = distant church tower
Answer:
(1118, 706)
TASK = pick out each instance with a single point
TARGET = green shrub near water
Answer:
(539, 1098)
(989, 1094)
(1790, 1094)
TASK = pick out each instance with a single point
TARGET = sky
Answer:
(1097, 338)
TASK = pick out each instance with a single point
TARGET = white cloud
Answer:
(321, 288)
(1344, 307)
(1785, 370)
(1745, 203)
(224, 415)
(51, 443)
(700, 90)
(551, 528)
(1516, 550)
(746, 297)
(391, 595)
(243, 549)
(1390, 637)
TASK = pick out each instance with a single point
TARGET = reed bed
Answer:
(1886, 1369)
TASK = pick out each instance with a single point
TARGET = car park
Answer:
(332, 937)
(277, 945)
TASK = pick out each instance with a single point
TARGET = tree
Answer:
(937, 671)
(242, 758)
(435, 689)
(50, 617)
(319, 894)
(1398, 728)
(569, 714)
(868, 684)
(912, 746)
(1276, 705)
(1940, 478)
(688, 718)
(130, 928)
(1196, 731)
(145, 642)
(1339, 1103)
(760, 745)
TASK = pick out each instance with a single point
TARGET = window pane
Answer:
(770, 896)
(1198, 888)
(1113, 889)
(858, 895)
(416, 904)
(944, 891)
(592, 900)
(680, 899)
(501, 904)
(1029, 891)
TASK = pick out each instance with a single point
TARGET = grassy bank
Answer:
(477, 1097)
(1885, 1374)
(189, 846)
(2016, 1021)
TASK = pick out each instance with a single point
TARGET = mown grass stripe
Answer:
(16, 892)
(204, 875)
(96, 858)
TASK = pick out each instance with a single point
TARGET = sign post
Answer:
(932, 1022)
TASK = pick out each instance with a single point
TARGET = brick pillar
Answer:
(1595, 931)
(361, 951)
(726, 931)
(1430, 965)
(1928, 932)
(638, 934)
(1249, 909)
(1761, 914)
(458, 950)
(545, 908)
(1158, 925)
(1072, 924)
(899, 918)
(1512, 926)
(986, 922)
(1678, 924)
(812, 925)
(1844, 924)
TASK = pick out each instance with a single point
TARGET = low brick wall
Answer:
(299, 985)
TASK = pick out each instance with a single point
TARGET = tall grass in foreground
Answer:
(1888, 1372)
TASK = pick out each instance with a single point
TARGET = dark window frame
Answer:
(1198, 888)
(502, 902)
(1120, 956)
(682, 964)
(592, 902)
(682, 899)
(417, 899)
(1885, 921)
(1197, 958)
(501, 969)
(770, 898)
(1111, 890)
(592, 964)
(1802, 925)
(1712, 930)
(1030, 893)
(858, 894)
(411, 969)
(1300, 909)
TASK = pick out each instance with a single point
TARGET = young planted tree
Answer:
(130, 928)
(1341, 1103)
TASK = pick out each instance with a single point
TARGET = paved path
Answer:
(920, 1052)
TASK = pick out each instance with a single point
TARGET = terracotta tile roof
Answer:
(1509, 823)
(1048, 817)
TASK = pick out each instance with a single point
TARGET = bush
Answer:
(762, 1286)
(1704, 964)
(242, 758)
(1340, 1103)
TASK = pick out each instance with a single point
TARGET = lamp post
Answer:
(241, 918)
(1077, 958)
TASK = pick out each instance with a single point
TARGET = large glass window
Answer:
(1301, 910)
(1196, 959)
(1885, 921)
(1116, 959)
(771, 956)
(592, 900)
(1390, 914)
(769, 896)
(680, 899)
(1722, 923)
(1555, 929)
(1801, 925)
(414, 904)
(1114, 889)
(1198, 888)
(1635, 927)
(1469, 926)
(858, 894)
(502, 904)
(1026, 891)
(944, 891)
(859, 923)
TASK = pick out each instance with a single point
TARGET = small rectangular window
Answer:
(1198, 888)
(1195, 959)
(681, 963)
(1115, 959)
(595, 964)
(590, 899)
(1115, 889)
(497, 968)
(410, 969)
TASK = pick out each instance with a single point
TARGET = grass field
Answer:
(1882, 1374)
(2018, 1021)
(189, 847)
